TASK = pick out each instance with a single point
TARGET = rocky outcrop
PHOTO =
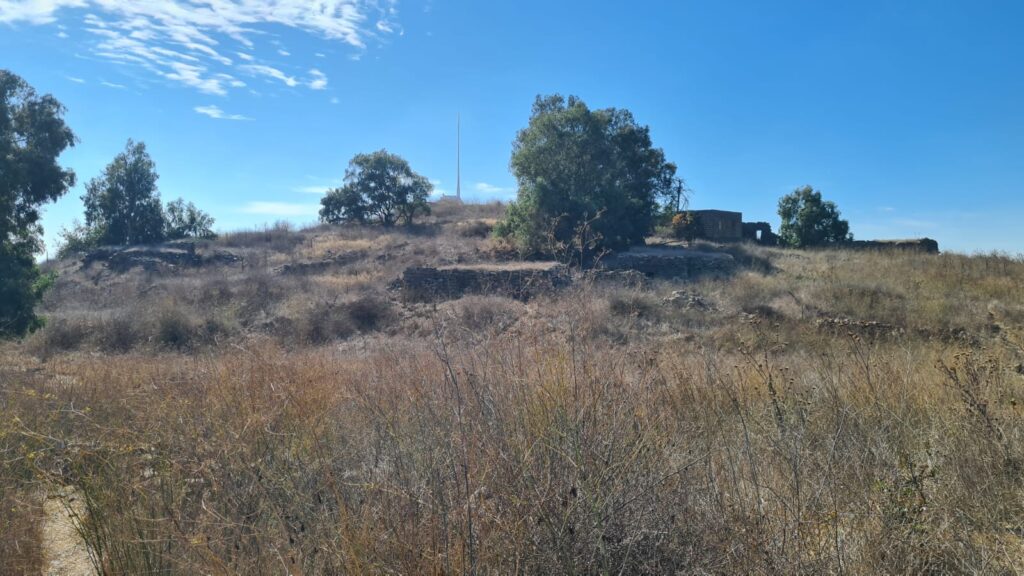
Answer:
(154, 258)
(320, 266)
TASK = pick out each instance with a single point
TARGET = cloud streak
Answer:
(269, 72)
(185, 41)
(319, 81)
(214, 111)
(492, 190)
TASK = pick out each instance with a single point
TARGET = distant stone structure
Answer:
(719, 225)
(760, 232)
(726, 226)
(925, 245)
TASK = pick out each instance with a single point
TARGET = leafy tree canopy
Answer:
(32, 136)
(584, 172)
(184, 220)
(807, 220)
(379, 186)
(123, 203)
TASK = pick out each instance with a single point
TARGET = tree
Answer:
(378, 185)
(345, 204)
(807, 220)
(32, 137)
(77, 239)
(184, 220)
(123, 203)
(572, 164)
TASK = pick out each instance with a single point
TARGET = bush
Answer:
(118, 333)
(175, 329)
(370, 313)
(685, 226)
(484, 315)
(78, 239)
(59, 335)
(474, 229)
(318, 324)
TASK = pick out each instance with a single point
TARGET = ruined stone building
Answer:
(726, 226)
(719, 225)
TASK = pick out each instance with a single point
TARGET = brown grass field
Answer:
(817, 412)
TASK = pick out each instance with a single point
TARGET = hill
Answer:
(270, 401)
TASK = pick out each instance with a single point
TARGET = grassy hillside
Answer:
(815, 412)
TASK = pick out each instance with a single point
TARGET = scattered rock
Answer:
(860, 327)
(320, 266)
(154, 258)
(689, 301)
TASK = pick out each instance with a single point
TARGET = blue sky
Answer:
(909, 114)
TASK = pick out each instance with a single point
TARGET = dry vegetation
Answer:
(817, 412)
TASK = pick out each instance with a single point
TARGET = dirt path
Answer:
(64, 552)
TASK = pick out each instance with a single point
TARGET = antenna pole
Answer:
(458, 156)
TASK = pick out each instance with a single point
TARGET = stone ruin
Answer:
(672, 262)
(760, 233)
(726, 226)
(524, 280)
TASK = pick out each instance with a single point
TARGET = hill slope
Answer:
(816, 412)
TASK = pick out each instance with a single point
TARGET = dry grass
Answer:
(819, 412)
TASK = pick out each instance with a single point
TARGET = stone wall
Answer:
(672, 262)
(761, 233)
(719, 225)
(521, 283)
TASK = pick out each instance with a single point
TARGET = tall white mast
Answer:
(458, 157)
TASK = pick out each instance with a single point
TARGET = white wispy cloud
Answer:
(334, 100)
(283, 52)
(62, 34)
(194, 76)
(185, 41)
(35, 11)
(319, 81)
(214, 111)
(485, 188)
(270, 72)
(113, 85)
(76, 80)
(281, 209)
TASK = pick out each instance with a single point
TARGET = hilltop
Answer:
(273, 397)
